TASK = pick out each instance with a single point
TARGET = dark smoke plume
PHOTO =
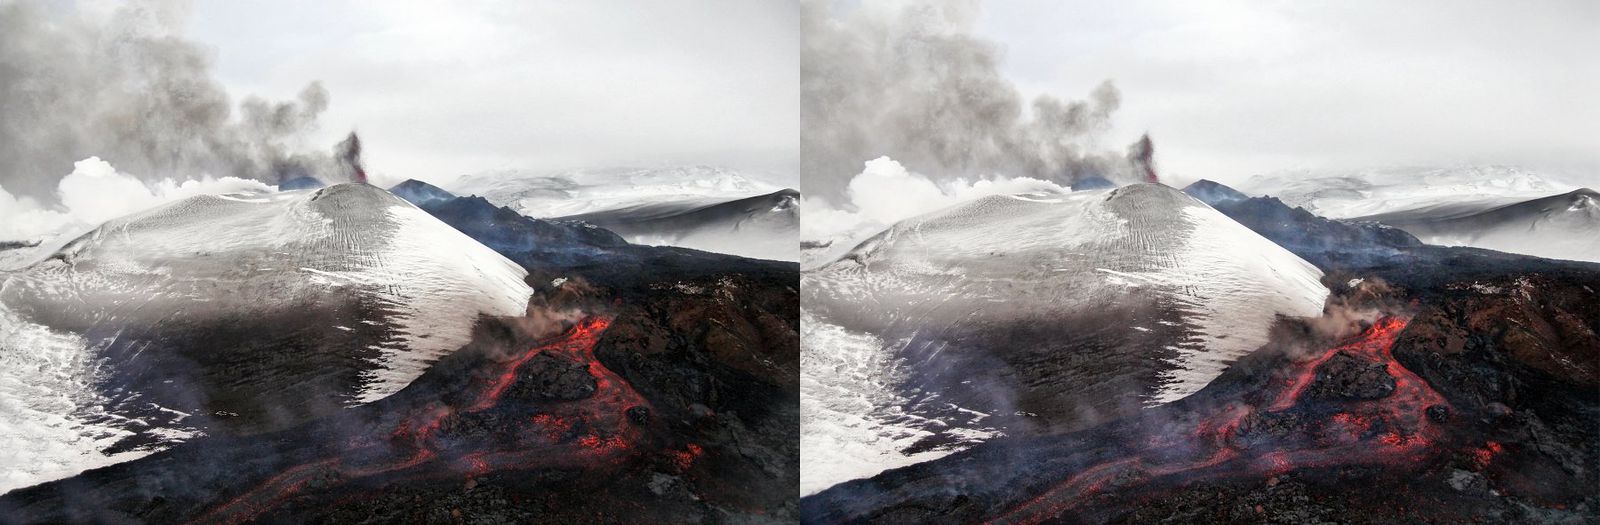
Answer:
(1142, 155)
(126, 87)
(348, 156)
(913, 83)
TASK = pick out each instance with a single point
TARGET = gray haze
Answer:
(910, 80)
(1229, 89)
(440, 89)
(122, 84)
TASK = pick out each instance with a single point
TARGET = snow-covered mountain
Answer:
(700, 207)
(1018, 312)
(1495, 207)
(1562, 226)
(240, 312)
(578, 191)
(761, 227)
(1358, 193)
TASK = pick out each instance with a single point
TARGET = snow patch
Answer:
(852, 420)
(54, 426)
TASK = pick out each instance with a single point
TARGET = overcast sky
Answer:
(1230, 89)
(440, 89)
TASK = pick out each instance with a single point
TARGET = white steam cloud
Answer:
(96, 192)
(885, 192)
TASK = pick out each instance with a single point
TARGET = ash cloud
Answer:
(125, 86)
(911, 82)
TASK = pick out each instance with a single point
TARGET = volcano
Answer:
(1397, 422)
(1025, 314)
(627, 381)
(1443, 385)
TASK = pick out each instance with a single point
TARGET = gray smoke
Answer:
(126, 87)
(912, 83)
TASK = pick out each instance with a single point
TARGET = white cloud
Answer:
(885, 193)
(96, 192)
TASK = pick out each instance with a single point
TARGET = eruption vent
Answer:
(1142, 155)
(349, 159)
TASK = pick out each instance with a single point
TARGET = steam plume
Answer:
(912, 82)
(126, 87)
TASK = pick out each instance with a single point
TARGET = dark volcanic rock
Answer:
(547, 377)
(1345, 376)
(1214, 194)
(639, 415)
(1439, 413)
(420, 193)
(1323, 242)
(1522, 356)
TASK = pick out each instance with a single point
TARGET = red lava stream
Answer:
(1390, 430)
(582, 433)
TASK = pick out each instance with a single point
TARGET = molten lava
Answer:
(439, 439)
(1288, 431)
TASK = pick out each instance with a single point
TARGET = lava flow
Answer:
(1352, 404)
(591, 431)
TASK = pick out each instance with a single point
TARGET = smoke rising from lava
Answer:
(126, 87)
(911, 81)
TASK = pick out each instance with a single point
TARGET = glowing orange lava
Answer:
(1383, 431)
(606, 434)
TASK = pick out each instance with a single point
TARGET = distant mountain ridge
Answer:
(700, 207)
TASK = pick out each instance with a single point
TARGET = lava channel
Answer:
(1288, 431)
(586, 433)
